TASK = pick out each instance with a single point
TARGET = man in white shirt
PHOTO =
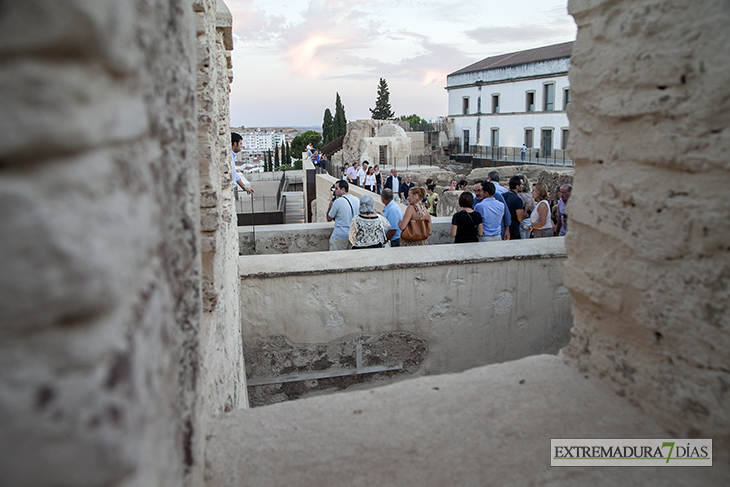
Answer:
(237, 145)
(393, 183)
(352, 173)
(342, 210)
(362, 173)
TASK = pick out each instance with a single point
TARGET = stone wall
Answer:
(311, 237)
(221, 376)
(104, 158)
(649, 261)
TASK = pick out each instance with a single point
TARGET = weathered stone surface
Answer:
(278, 370)
(108, 365)
(487, 426)
(649, 262)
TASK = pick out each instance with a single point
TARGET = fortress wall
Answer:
(101, 168)
(649, 260)
(221, 383)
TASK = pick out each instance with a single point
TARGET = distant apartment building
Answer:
(257, 143)
(262, 141)
(513, 98)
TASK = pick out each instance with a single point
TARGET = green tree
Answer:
(276, 157)
(288, 153)
(327, 127)
(340, 121)
(413, 119)
(299, 143)
(268, 160)
(382, 109)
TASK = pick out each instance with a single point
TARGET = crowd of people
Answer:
(491, 213)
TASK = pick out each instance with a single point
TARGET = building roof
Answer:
(547, 53)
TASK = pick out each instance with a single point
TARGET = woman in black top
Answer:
(466, 225)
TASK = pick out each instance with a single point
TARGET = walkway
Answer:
(264, 200)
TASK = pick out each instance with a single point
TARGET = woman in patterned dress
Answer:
(416, 211)
(368, 229)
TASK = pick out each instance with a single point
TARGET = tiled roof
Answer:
(547, 53)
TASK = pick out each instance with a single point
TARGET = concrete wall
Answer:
(116, 339)
(649, 262)
(473, 304)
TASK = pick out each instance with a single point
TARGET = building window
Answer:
(564, 141)
(566, 98)
(549, 97)
(529, 138)
(495, 137)
(530, 101)
(547, 142)
(466, 141)
(495, 103)
(465, 106)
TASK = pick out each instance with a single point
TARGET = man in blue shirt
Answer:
(394, 215)
(342, 210)
(506, 220)
(491, 210)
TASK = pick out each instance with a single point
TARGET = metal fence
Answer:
(553, 157)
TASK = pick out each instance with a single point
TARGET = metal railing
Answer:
(552, 157)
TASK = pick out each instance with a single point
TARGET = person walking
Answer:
(371, 184)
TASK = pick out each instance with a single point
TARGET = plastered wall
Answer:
(473, 304)
(114, 124)
(649, 261)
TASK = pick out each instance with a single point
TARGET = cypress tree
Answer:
(340, 122)
(288, 153)
(268, 157)
(382, 109)
(276, 157)
(327, 127)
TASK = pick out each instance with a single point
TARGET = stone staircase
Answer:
(294, 212)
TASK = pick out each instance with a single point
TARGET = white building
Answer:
(262, 141)
(514, 98)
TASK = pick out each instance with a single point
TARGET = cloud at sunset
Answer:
(299, 53)
(303, 59)
(433, 77)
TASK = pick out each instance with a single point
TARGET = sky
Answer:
(291, 57)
